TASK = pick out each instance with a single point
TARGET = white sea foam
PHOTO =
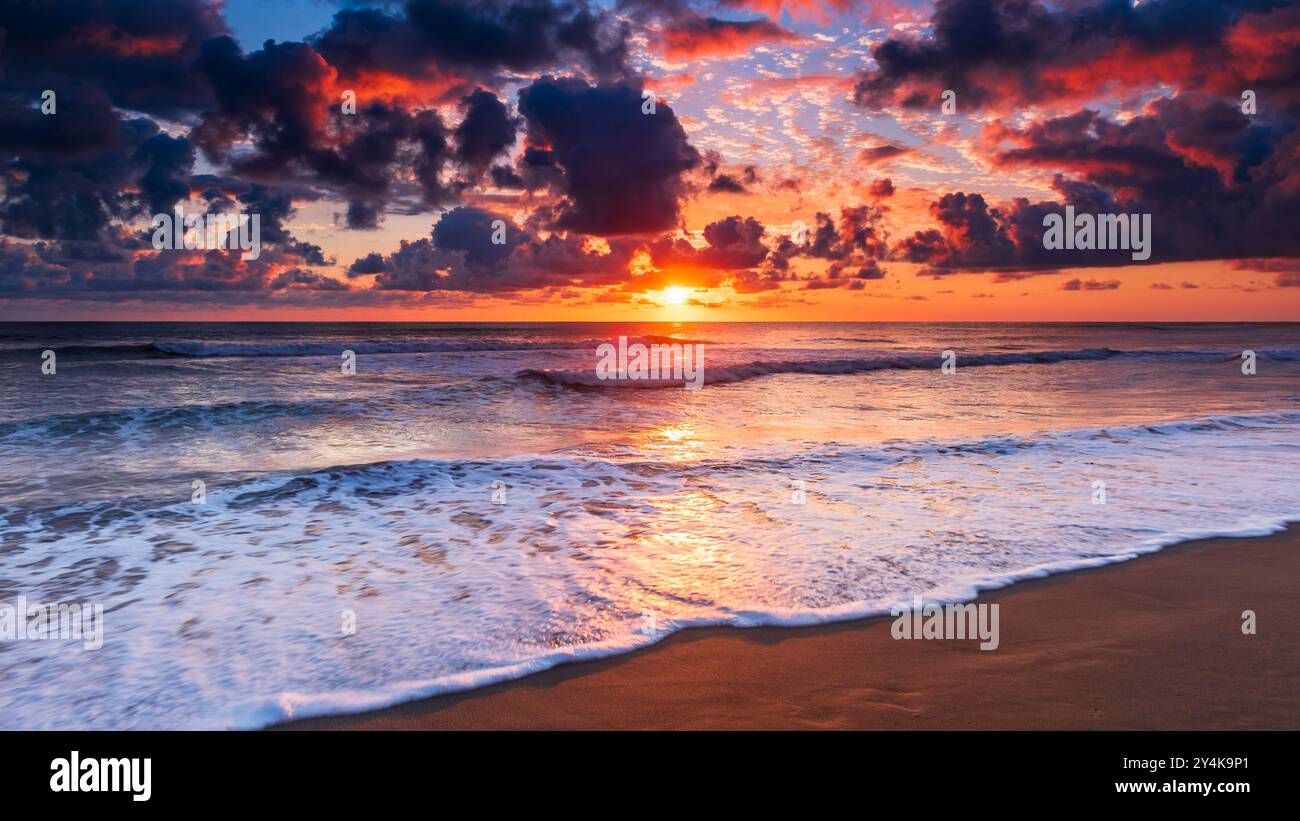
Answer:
(228, 615)
(742, 371)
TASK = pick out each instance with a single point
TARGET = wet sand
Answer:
(1153, 643)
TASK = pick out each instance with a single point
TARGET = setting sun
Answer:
(675, 295)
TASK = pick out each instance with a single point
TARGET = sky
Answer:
(677, 160)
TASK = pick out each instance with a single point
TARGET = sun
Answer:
(675, 295)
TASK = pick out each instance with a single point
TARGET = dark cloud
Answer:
(971, 234)
(72, 175)
(1217, 184)
(754, 282)
(431, 39)
(83, 270)
(882, 153)
(618, 171)
(738, 181)
(271, 116)
(733, 243)
(853, 247)
(297, 278)
(274, 207)
(859, 236)
(100, 255)
(140, 54)
(486, 130)
(280, 97)
(1010, 53)
(841, 275)
(462, 254)
(871, 270)
(726, 184)
(1090, 285)
(167, 179)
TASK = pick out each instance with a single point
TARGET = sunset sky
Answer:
(767, 115)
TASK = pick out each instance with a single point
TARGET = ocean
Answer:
(270, 536)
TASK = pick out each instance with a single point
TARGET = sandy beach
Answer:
(1153, 643)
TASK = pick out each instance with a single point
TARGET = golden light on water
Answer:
(677, 433)
(678, 442)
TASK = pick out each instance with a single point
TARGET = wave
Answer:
(179, 417)
(392, 477)
(195, 349)
(251, 349)
(140, 351)
(265, 711)
(365, 527)
(726, 374)
(315, 348)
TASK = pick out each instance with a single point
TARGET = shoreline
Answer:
(1154, 642)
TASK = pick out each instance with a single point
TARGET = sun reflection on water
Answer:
(679, 442)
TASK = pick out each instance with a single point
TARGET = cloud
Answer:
(115, 259)
(140, 55)
(971, 235)
(281, 99)
(472, 249)
(486, 130)
(732, 243)
(271, 115)
(1090, 285)
(433, 39)
(739, 181)
(71, 176)
(1008, 54)
(455, 99)
(616, 170)
(693, 37)
(880, 188)
(96, 271)
(882, 153)
(853, 247)
(1216, 184)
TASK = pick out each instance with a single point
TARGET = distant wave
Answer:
(214, 349)
(403, 472)
(179, 417)
(146, 350)
(726, 374)
(209, 349)
(319, 348)
(390, 477)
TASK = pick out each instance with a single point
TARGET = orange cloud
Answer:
(697, 37)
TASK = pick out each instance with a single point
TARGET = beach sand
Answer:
(1153, 643)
